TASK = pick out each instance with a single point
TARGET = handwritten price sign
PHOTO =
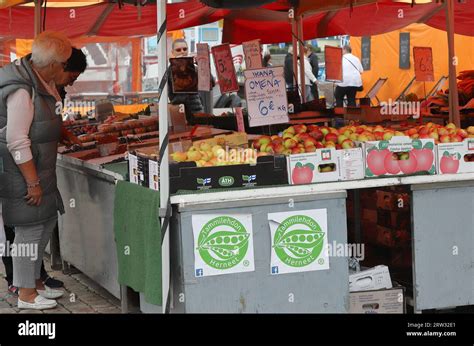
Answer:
(204, 69)
(225, 68)
(333, 58)
(265, 91)
(253, 54)
(423, 57)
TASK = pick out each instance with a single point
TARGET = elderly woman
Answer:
(30, 130)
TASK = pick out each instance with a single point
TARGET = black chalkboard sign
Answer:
(366, 53)
(404, 51)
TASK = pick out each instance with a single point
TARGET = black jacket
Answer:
(288, 68)
(313, 60)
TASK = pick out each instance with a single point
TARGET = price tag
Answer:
(423, 57)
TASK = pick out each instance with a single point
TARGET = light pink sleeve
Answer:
(20, 113)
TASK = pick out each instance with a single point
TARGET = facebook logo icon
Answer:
(199, 272)
(275, 270)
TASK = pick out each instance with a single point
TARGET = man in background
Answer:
(351, 79)
(314, 62)
(192, 101)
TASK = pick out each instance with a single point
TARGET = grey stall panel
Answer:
(443, 242)
(259, 291)
(86, 232)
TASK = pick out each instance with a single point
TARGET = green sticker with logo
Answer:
(223, 244)
(298, 241)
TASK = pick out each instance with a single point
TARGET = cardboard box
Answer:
(371, 279)
(237, 139)
(456, 157)
(351, 164)
(269, 170)
(386, 301)
(310, 167)
(419, 157)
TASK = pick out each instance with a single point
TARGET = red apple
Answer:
(312, 128)
(411, 131)
(424, 136)
(279, 148)
(462, 133)
(341, 138)
(424, 159)
(391, 163)
(449, 164)
(331, 137)
(444, 139)
(324, 130)
(302, 174)
(375, 161)
(330, 145)
(455, 138)
(442, 131)
(290, 143)
(408, 166)
(378, 135)
(317, 135)
(348, 144)
(319, 145)
(310, 142)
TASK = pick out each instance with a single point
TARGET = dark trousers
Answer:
(350, 92)
(8, 262)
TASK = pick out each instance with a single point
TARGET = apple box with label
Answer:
(456, 157)
(317, 167)
(351, 164)
(400, 155)
(385, 301)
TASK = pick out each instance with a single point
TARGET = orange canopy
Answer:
(385, 59)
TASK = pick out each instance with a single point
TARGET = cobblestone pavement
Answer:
(81, 296)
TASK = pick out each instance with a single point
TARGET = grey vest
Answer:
(45, 133)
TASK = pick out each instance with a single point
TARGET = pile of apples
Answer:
(205, 155)
(300, 139)
(441, 134)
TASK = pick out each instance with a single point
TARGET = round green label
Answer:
(223, 242)
(298, 241)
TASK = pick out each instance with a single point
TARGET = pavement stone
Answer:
(89, 296)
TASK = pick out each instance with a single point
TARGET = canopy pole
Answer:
(301, 55)
(165, 206)
(294, 34)
(37, 19)
(453, 88)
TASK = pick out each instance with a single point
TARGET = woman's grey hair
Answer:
(347, 49)
(49, 47)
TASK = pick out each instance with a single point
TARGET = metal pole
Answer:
(301, 55)
(294, 34)
(165, 208)
(37, 19)
(453, 89)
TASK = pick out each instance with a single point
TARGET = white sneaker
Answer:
(40, 303)
(50, 293)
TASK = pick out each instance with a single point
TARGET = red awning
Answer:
(269, 23)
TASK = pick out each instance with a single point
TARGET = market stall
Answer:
(253, 223)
